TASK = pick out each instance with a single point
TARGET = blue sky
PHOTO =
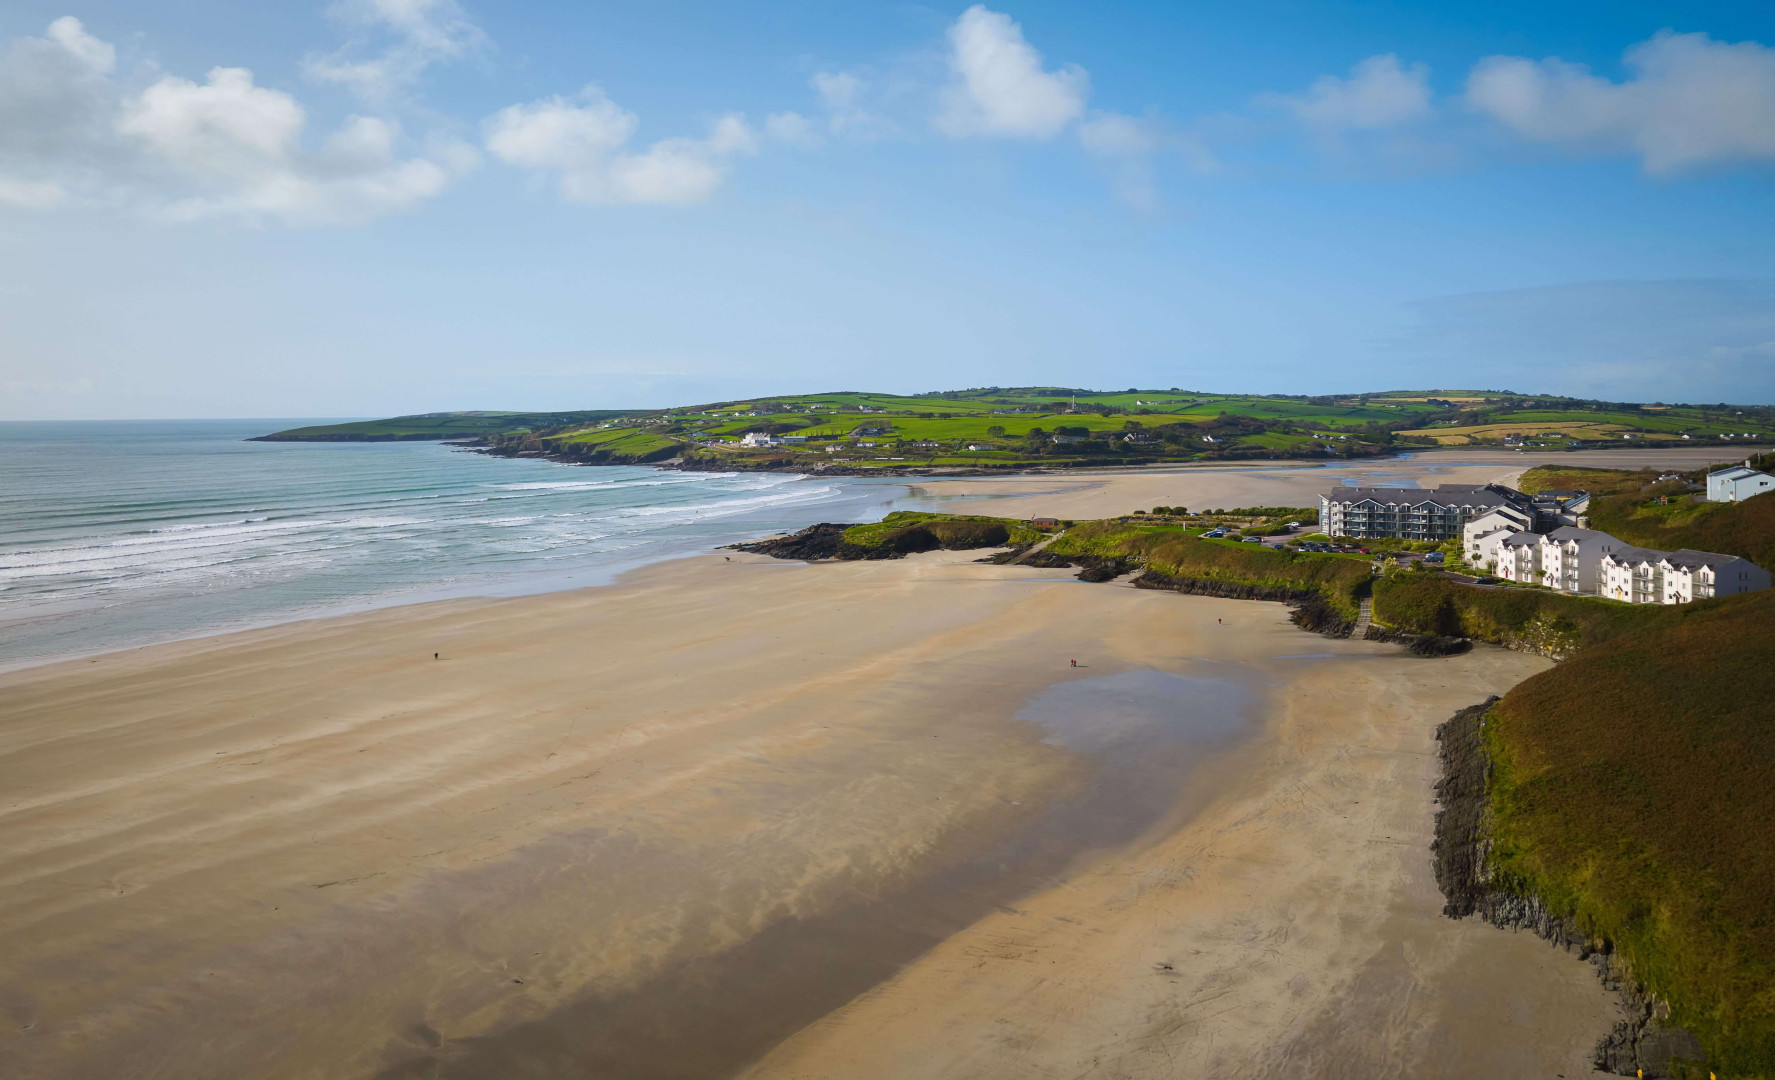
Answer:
(383, 206)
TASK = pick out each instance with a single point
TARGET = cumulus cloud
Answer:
(392, 44)
(239, 146)
(581, 142)
(1690, 101)
(1379, 93)
(224, 147)
(1000, 86)
(72, 36)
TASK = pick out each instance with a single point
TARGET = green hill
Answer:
(1010, 427)
(437, 426)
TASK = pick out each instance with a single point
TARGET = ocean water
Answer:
(123, 533)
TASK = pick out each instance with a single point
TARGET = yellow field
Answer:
(1458, 436)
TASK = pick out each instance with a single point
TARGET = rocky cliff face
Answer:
(1644, 1044)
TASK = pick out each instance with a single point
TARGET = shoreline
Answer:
(1076, 493)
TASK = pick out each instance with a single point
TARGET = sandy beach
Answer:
(739, 812)
(1109, 492)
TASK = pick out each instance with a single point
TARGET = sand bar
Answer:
(1109, 492)
(733, 809)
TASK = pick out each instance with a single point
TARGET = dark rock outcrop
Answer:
(821, 541)
(1646, 1044)
(826, 541)
(1419, 644)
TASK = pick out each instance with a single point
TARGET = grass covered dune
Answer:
(1634, 791)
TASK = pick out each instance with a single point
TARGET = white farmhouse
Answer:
(1737, 483)
(759, 438)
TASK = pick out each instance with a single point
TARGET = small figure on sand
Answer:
(434, 656)
(1074, 663)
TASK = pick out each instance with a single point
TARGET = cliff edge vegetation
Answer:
(1632, 792)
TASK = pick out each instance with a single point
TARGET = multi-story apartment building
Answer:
(1645, 576)
(1480, 535)
(1412, 513)
(1571, 559)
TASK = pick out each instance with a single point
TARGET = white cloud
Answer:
(70, 133)
(1690, 101)
(580, 141)
(31, 195)
(838, 89)
(841, 95)
(1127, 145)
(1001, 88)
(415, 35)
(791, 127)
(1379, 93)
(239, 146)
(70, 35)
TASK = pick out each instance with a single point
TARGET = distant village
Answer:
(1542, 539)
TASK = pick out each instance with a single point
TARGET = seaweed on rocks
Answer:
(1645, 1044)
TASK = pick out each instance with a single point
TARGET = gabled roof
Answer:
(1447, 495)
(1690, 559)
(1628, 554)
(1572, 532)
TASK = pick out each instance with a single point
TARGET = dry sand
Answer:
(1110, 492)
(659, 828)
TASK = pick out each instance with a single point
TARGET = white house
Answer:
(1737, 483)
(759, 438)
(978, 447)
(1571, 559)
(1480, 535)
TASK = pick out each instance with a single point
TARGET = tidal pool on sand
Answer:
(1143, 734)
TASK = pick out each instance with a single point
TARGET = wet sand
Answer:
(855, 819)
(1110, 492)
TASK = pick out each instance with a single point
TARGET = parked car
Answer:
(1433, 557)
(1252, 540)
(1486, 580)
